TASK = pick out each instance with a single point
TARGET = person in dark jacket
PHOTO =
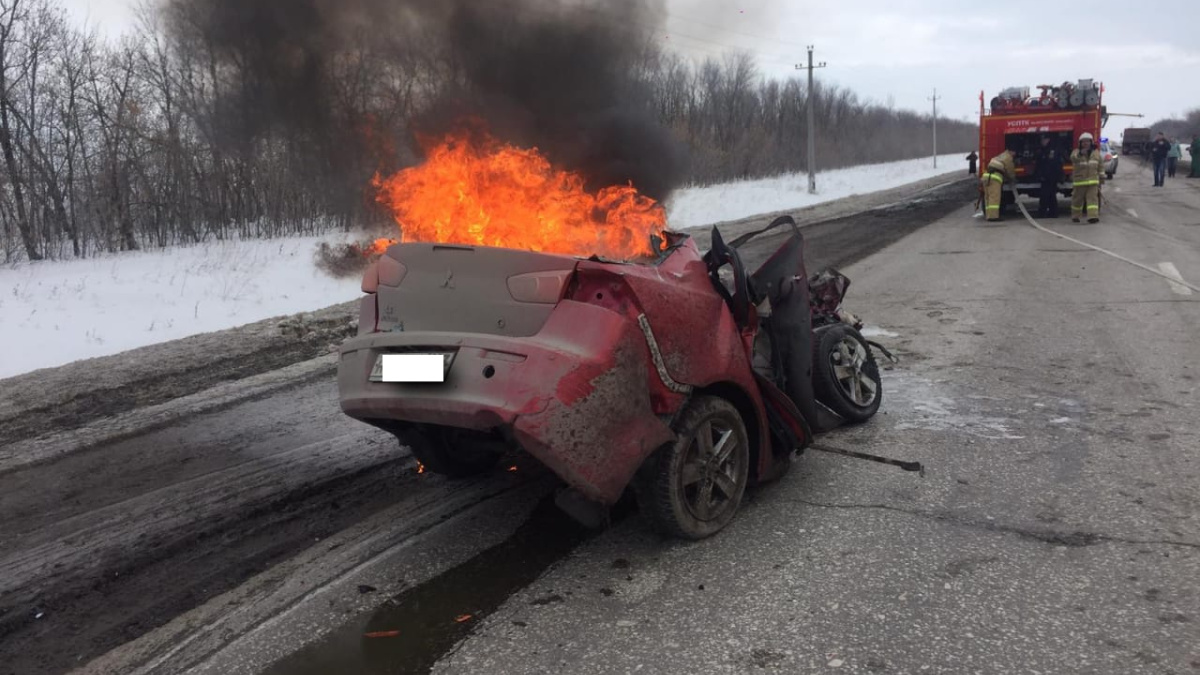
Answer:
(1048, 168)
(1195, 157)
(1159, 150)
(971, 159)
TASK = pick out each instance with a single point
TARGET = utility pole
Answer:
(935, 100)
(812, 140)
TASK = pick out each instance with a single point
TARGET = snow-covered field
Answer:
(695, 207)
(53, 313)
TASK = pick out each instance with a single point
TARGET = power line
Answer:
(721, 44)
(723, 29)
(765, 56)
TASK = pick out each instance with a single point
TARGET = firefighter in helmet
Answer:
(1087, 175)
(1002, 169)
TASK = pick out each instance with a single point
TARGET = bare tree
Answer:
(156, 139)
(14, 67)
(1185, 128)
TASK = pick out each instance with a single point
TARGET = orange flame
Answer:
(475, 190)
(463, 618)
(379, 246)
(420, 468)
(513, 468)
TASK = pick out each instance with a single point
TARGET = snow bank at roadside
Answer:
(54, 313)
(699, 206)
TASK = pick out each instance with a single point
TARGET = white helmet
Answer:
(1086, 136)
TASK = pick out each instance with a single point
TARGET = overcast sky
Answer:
(1147, 54)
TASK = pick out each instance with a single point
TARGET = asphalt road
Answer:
(134, 524)
(1048, 389)
(1052, 393)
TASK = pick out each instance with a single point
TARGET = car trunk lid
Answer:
(469, 289)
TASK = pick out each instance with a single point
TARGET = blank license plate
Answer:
(412, 367)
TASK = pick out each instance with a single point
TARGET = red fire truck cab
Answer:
(1017, 121)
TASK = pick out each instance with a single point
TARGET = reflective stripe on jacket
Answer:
(1087, 169)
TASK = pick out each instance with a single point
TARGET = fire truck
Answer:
(1017, 120)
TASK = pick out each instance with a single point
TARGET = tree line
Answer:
(1184, 128)
(739, 125)
(155, 139)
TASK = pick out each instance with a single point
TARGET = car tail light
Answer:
(368, 314)
(370, 282)
(368, 307)
(390, 272)
(544, 288)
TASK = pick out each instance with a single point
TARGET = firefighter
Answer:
(971, 159)
(1087, 177)
(1049, 172)
(1002, 169)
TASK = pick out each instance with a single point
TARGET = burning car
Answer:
(678, 373)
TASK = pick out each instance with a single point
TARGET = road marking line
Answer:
(1133, 213)
(1176, 287)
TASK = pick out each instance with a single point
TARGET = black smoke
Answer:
(560, 75)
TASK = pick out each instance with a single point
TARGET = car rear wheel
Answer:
(692, 487)
(452, 452)
(845, 375)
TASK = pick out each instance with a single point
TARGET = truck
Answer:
(1135, 141)
(1017, 119)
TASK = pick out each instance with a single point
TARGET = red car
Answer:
(667, 375)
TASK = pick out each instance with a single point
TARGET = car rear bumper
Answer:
(576, 395)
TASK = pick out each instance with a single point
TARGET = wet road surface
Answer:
(1049, 390)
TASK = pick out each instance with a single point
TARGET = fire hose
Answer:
(1036, 224)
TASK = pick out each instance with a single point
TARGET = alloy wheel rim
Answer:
(848, 359)
(709, 479)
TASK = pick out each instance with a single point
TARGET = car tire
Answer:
(845, 374)
(690, 488)
(451, 453)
